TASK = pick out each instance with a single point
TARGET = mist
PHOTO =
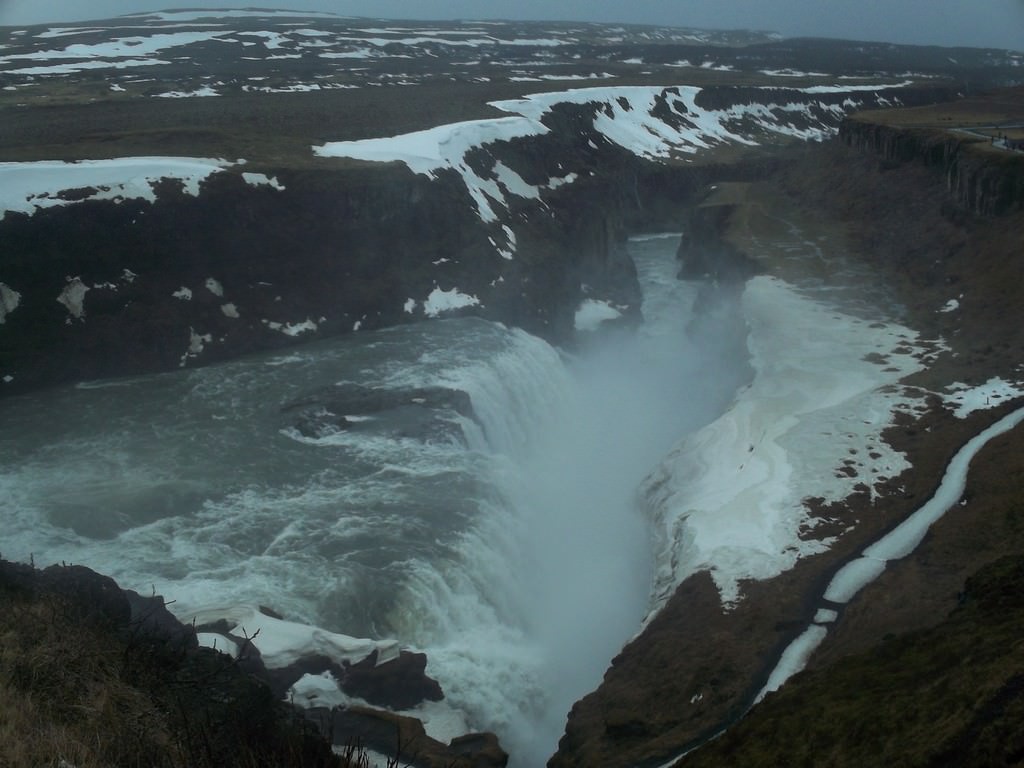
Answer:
(582, 554)
(986, 23)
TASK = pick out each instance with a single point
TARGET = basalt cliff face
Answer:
(108, 289)
(980, 177)
(248, 262)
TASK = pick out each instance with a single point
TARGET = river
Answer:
(505, 541)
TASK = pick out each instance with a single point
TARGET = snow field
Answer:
(730, 498)
(28, 186)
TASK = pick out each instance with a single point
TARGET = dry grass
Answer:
(86, 693)
(996, 107)
(64, 697)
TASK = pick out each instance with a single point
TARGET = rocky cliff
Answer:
(99, 283)
(982, 177)
(107, 289)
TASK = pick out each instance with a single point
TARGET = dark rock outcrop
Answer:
(703, 250)
(324, 412)
(405, 737)
(980, 178)
(399, 683)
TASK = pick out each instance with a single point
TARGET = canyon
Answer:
(519, 213)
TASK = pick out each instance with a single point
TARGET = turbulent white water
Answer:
(507, 544)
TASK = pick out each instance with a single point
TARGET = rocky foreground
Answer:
(95, 675)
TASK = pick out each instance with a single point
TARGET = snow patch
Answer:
(292, 329)
(591, 313)
(214, 286)
(446, 147)
(262, 180)
(965, 400)
(198, 93)
(24, 187)
(9, 300)
(950, 306)
(632, 117)
(282, 643)
(73, 297)
(555, 182)
(196, 344)
(904, 539)
(229, 310)
(794, 659)
(79, 66)
(514, 183)
(440, 301)
(183, 293)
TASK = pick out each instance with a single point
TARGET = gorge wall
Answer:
(109, 287)
(932, 215)
(980, 178)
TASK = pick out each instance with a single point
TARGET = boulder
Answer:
(400, 683)
(406, 739)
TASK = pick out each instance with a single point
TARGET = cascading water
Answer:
(505, 541)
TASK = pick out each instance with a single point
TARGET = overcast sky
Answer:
(989, 23)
